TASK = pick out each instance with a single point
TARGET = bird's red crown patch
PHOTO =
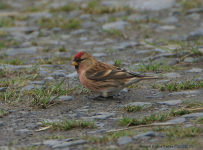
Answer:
(79, 55)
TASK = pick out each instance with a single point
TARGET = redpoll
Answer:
(103, 78)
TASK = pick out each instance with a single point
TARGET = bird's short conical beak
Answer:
(74, 63)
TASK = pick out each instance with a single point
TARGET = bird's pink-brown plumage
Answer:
(101, 77)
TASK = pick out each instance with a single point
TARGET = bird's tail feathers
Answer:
(137, 79)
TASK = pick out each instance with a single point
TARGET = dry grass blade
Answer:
(196, 109)
(9, 14)
(44, 128)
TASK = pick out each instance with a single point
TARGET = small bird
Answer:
(103, 78)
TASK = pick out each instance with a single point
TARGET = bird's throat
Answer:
(77, 67)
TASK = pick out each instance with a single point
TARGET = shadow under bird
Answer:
(104, 78)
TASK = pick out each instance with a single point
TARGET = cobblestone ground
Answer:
(42, 103)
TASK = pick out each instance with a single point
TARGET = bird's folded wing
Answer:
(105, 72)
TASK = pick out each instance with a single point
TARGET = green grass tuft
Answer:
(188, 4)
(159, 66)
(42, 97)
(6, 22)
(143, 121)
(69, 124)
(3, 5)
(12, 61)
(65, 8)
(175, 86)
(125, 121)
(110, 136)
(180, 132)
(59, 22)
(62, 49)
(3, 112)
(130, 108)
(115, 32)
(179, 112)
(117, 62)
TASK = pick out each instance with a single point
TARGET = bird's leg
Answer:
(105, 94)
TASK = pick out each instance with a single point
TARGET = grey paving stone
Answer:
(37, 144)
(31, 126)
(29, 50)
(99, 54)
(170, 20)
(78, 31)
(174, 121)
(198, 60)
(111, 147)
(155, 96)
(7, 148)
(87, 25)
(62, 54)
(145, 138)
(50, 120)
(193, 115)
(172, 75)
(59, 74)
(81, 114)
(194, 10)
(62, 98)
(143, 52)
(100, 116)
(68, 140)
(49, 79)
(165, 27)
(72, 75)
(185, 93)
(51, 142)
(170, 102)
(20, 29)
(199, 79)
(137, 17)
(188, 125)
(138, 104)
(195, 34)
(43, 73)
(120, 25)
(179, 37)
(38, 82)
(124, 140)
(189, 60)
(85, 16)
(196, 70)
(40, 14)
(154, 5)
(83, 38)
(27, 88)
(100, 125)
(23, 130)
(1, 123)
(71, 143)
(125, 90)
(2, 89)
(163, 81)
(144, 135)
(193, 16)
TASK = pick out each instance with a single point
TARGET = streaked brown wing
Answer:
(102, 71)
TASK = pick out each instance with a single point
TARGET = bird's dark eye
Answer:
(82, 59)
